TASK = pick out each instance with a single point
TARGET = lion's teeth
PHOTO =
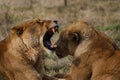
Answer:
(53, 46)
(53, 30)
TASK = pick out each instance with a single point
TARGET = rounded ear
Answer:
(17, 30)
(75, 36)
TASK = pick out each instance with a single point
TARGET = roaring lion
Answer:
(21, 52)
(96, 56)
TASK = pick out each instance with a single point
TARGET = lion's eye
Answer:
(75, 37)
(19, 32)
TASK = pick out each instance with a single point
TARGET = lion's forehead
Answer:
(32, 22)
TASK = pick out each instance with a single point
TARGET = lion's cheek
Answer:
(32, 55)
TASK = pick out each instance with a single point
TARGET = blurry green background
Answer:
(104, 15)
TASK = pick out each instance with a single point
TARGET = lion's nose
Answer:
(56, 26)
(55, 21)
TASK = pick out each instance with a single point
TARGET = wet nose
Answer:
(56, 25)
(55, 21)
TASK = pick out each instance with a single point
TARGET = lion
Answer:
(96, 56)
(21, 52)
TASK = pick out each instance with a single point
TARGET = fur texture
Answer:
(96, 56)
(21, 52)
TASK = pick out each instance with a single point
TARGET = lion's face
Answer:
(35, 32)
(76, 37)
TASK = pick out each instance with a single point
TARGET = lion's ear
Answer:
(76, 37)
(40, 22)
(17, 30)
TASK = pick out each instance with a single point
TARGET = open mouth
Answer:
(46, 39)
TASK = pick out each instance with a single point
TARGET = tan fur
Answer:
(21, 52)
(96, 56)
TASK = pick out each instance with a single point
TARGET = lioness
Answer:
(96, 56)
(21, 52)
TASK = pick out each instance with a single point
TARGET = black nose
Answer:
(55, 21)
(56, 26)
(59, 54)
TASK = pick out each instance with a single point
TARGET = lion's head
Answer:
(79, 38)
(32, 31)
(21, 51)
(32, 37)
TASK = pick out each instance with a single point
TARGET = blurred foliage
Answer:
(112, 31)
(54, 65)
(110, 27)
(22, 8)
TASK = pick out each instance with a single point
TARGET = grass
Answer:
(112, 31)
(22, 8)
(109, 27)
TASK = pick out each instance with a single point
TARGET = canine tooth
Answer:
(53, 30)
(53, 46)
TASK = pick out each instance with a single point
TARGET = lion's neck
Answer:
(19, 50)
